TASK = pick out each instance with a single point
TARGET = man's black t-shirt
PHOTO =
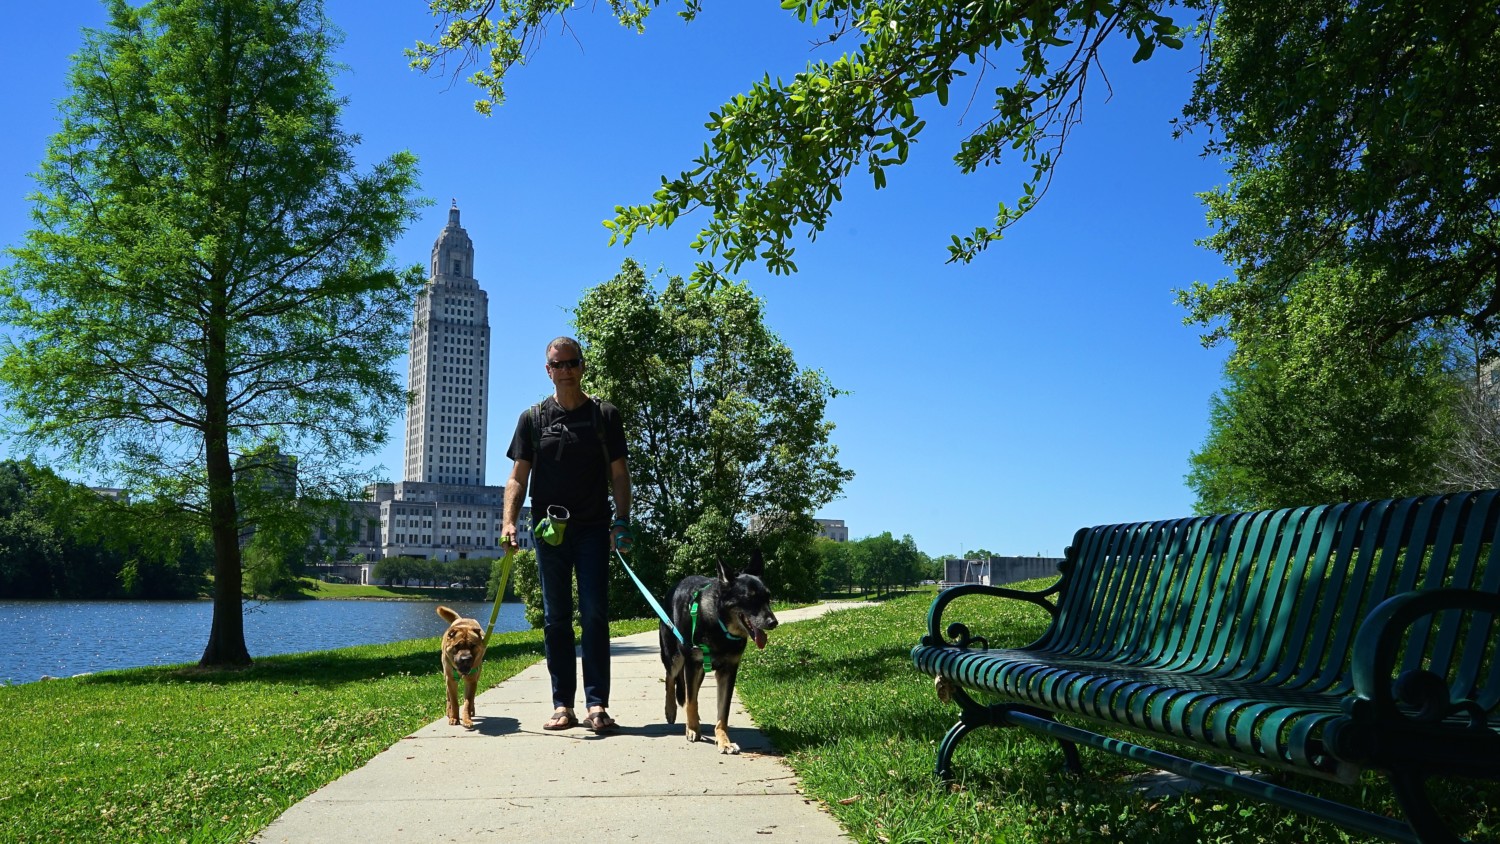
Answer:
(570, 469)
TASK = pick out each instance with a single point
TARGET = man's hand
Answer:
(620, 536)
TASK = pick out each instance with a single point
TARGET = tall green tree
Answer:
(1314, 410)
(208, 269)
(722, 423)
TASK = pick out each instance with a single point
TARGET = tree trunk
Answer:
(226, 638)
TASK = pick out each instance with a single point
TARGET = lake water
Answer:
(63, 638)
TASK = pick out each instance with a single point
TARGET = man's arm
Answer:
(619, 478)
(515, 493)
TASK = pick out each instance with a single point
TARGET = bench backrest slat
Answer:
(1278, 595)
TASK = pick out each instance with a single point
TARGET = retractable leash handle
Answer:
(650, 599)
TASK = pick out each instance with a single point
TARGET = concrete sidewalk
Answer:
(509, 780)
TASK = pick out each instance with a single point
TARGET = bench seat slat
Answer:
(1093, 689)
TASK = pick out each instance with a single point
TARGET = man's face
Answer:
(564, 366)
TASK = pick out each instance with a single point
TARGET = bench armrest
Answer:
(958, 634)
(1404, 722)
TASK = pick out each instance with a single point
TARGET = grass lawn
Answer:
(860, 725)
(178, 754)
(175, 754)
(309, 588)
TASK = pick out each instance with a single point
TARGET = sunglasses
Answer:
(570, 363)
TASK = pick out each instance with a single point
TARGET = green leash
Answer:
(506, 563)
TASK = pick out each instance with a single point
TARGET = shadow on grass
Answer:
(319, 668)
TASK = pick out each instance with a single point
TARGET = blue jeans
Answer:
(584, 549)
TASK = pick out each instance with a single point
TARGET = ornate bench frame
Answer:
(1322, 640)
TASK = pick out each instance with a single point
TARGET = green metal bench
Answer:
(1323, 640)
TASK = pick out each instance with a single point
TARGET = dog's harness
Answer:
(703, 646)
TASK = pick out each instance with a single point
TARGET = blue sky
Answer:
(1002, 404)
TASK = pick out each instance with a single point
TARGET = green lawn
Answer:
(310, 588)
(178, 754)
(175, 754)
(860, 725)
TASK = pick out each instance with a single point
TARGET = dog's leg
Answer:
(471, 682)
(452, 688)
(694, 680)
(674, 676)
(724, 680)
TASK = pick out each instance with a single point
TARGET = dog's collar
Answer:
(459, 675)
(726, 631)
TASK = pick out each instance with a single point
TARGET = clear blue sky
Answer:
(1002, 404)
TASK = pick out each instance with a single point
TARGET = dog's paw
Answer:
(693, 735)
(730, 748)
(453, 722)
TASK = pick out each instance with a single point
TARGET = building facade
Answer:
(834, 529)
(997, 571)
(442, 509)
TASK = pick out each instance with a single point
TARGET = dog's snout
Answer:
(464, 660)
(771, 622)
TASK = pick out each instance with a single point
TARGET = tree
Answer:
(1360, 136)
(208, 271)
(721, 423)
(835, 571)
(1312, 412)
(779, 154)
(1473, 459)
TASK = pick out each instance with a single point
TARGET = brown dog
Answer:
(463, 651)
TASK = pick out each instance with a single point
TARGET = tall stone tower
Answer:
(449, 365)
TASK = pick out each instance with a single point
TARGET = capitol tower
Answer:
(442, 509)
(450, 353)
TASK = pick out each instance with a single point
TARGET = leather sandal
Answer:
(600, 722)
(562, 719)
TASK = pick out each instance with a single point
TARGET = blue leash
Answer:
(650, 599)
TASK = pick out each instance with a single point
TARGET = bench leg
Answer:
(1411, 793)
(950, 741)
(1071, 762)
(973, 715)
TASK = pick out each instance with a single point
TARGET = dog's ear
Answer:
(757, 564)
(723, 571)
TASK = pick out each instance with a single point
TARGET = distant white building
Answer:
(833, 529)
(112, 493)
(442, 509)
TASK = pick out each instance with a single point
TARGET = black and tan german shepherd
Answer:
(732, 611)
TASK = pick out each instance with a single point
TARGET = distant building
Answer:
(442, 509)
(997, 571)
(112, 493)
(833, 529)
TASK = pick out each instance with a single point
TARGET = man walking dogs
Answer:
(570, 448)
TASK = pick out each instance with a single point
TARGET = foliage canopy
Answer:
(779, 154)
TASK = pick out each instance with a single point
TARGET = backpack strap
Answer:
(603, 446)
(536, 433)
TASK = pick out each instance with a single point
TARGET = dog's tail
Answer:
(448, 615)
